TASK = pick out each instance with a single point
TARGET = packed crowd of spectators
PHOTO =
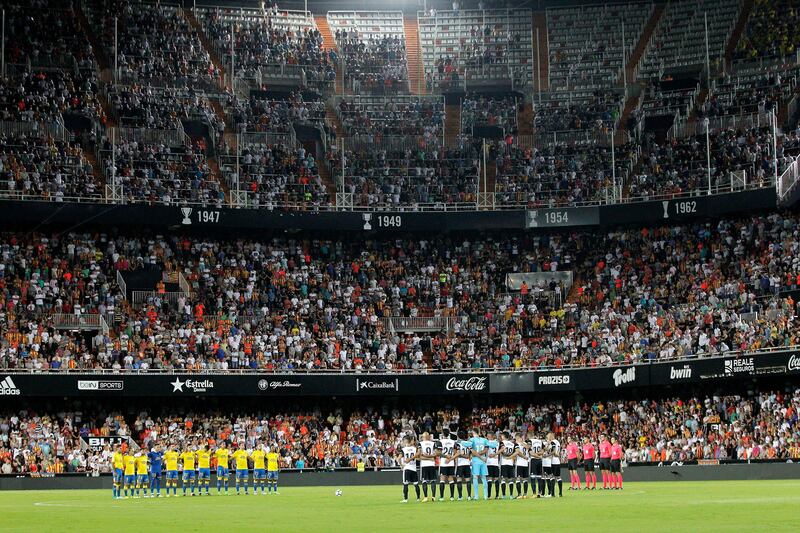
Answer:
(274, 115)
(424, 175)
(759, 426)
(47, 169)
(277, 176)
(423, 117)
(157, 173)
(43, 96)
(597, 113)
(376, 65)
(259, 43)
(481, 111)
(287, 303)
(556, 174)
(761, 94)
(143, 106)
(45, 33)
(156, 44)
(771, 30)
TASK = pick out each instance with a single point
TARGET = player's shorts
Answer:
(222, 471)
(188, 474)
(536, 467)
(259, 473)
(463, 471)
(556, 469)
(130, 479)
(428, 473)
(507, 471)
(241, 474)
(616, 465)
(573, 464)
(142, 478)
(494, 471)
(118, 475)
(447, 471)
(479, 468)
(204, 473)
(410, 476)
(523, 471)
(588, 465)
(172, 474)
(155, 475)
(547, 471)
(605, 463)
(272, 474)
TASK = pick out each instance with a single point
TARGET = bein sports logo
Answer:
(8, 388)
(469, 384)
(100, 385)
(627, 376)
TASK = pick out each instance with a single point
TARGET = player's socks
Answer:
(496, 488)
(525, 487)
(469, 489)
(405, 491)
(453, 489)
(503, 487)
(475, 487)
(486, 486)
(619, 480)
(460, 490)
(425, 490)
(490, 488)
(519, 489)
(416, 489)
(441, 490)
(560, 487)
(605, 480)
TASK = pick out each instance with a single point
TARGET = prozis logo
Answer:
(366, 384)
(624, 376)
(736, 366)
(469, 384)
(99, 385)
(794, 363)
(554, 380)
(680, 373)
(8, 388)
(263, 384)
(193, 385)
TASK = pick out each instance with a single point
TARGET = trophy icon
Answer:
(367, 221)
(187, 212)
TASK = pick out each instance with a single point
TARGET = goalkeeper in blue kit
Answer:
(480, 448)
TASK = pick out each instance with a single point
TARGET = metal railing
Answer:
(87, 321)
(54, 129)
(682, 128)
(142, 298)
(323, 371)
(421, 323)
(787, 181)
(122, 285)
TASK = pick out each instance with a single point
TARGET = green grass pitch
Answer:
(641, 507)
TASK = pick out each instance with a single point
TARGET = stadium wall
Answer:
(728, 472)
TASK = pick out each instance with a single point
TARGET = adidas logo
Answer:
(7, 387)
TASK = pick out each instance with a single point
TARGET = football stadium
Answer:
(403, 265)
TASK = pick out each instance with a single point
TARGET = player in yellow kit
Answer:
(142, 477)
(117, 463)
(171, 460)
(259, 471)
(240, 458)
(129, 462)
(203, 469)
(188, 458)
(272, 469)
(222, 454)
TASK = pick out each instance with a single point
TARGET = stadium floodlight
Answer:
(708, 154)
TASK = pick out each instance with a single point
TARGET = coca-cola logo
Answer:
(467, 384)
(794, 363)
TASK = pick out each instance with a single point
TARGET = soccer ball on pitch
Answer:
(338, 492)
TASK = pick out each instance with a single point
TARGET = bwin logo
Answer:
(8, 388)
(367, 221)
(187, 212)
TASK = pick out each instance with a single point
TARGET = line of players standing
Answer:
(514, 462)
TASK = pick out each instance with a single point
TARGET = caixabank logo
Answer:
(8, 387)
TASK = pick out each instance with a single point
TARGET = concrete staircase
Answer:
(97, 170)
(452, 120)
(491, 176)
(416, 71)
(327, 180)
(201, 34)
(543, 61)
(329, 43)
(525, 119)
(105, 63)
(644, 40)
(736, 34)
